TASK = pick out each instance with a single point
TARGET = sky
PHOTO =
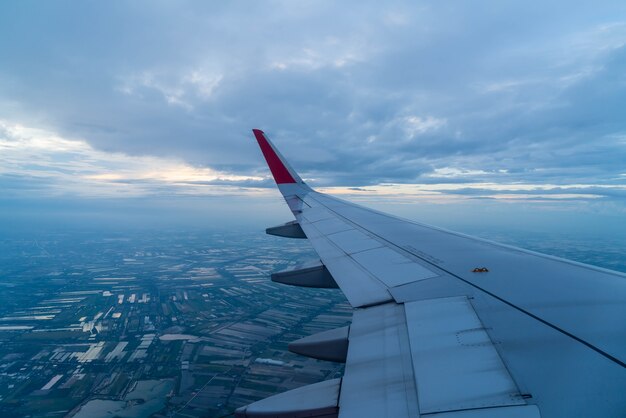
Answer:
(452, 112)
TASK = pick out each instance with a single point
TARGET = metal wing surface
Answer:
(446, 325)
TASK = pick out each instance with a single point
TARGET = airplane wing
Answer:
(446, 325)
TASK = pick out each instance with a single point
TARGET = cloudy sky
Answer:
(408, 103)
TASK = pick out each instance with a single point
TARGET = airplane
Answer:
(446, 325)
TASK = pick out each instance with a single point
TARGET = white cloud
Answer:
(396, 18)
(448, 192)
(508, 85)
(417, 125)
(596, 41)
(182, 90)
(204, 83)
(453, 172)
(331, 52)
(74, 167)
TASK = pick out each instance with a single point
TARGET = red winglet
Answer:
(277, 167)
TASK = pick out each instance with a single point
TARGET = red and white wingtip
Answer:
(281, 170)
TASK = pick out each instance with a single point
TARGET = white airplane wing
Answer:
(446, 325)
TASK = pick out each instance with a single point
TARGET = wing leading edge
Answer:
(532, 336)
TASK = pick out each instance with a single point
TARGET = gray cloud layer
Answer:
(354, 93)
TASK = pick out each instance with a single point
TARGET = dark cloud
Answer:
(353, 94)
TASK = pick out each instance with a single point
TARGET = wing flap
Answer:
(378, 380)
(525, 411)
(422, 358)
(455, 363)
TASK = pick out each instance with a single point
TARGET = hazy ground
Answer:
(185, 322)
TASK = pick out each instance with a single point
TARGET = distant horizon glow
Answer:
(75, 168)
